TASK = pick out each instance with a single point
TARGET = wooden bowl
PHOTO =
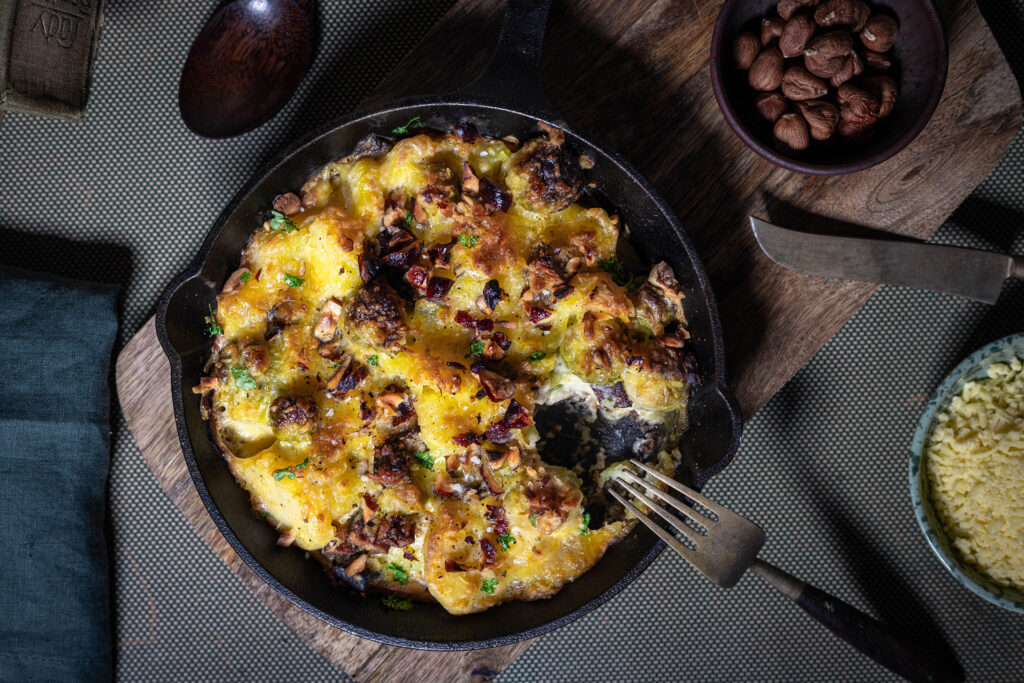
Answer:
(920, 61)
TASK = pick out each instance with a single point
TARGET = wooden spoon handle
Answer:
(864, 632)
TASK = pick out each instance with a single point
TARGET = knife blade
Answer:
(969, 273)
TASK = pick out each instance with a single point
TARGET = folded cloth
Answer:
(55, 344)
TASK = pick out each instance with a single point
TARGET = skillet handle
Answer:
(513, 74)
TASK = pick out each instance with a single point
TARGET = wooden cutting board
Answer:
(635, 73)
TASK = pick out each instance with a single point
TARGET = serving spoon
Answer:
(245, 65)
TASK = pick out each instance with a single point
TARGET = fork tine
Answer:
(685, 490)
(673, 502)
(685, 530)
(687, 553)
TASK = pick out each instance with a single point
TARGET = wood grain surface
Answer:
(635, 73)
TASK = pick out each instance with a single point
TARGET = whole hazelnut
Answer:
(826, 54)
(791, 133)
(821, 118)
(771, 29)
(879, 33)
(787, 8)
(796, 34)
(766, 71)
(857, 105)
(885, 89)
(852, 67)
(771, 105)
(852, 14)
(745, 49)
(799, 84)
(854, 132)
(875, 61)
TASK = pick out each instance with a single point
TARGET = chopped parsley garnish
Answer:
(506, 541)
(535, 356)
(393, 602)
(409, 221)
(283, 474)
(468, 241)
(488, 586)
(620, 274)
(264, 514)
(245, 277)
(585, 527)
(399, 572)
(213, 329)
(426, 459)
(475, 349)
(293, 280)
(533, 519)
(372, 360)
(402, 130)
(243, 380)
(278, 221)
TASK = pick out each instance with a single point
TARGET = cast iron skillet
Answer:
(505, 99)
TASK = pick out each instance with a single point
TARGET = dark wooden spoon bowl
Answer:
(244, 66)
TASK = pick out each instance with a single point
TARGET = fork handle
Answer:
(864, 632)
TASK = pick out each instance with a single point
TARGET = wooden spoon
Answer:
(244, 65)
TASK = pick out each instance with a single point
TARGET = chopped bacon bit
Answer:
(485, 325)
(355, 566)
(538, 313)
(417, 277)
(369, 266)
(441, 254)
(490, 553)
(496, 516)
(369, 507)
(288, 203)
(501, 340)
(437, 287)
(466, 320)
(465, 131)
(516, 417)
(466, 439)
(390, 467)
(495, 199)
(403, 257)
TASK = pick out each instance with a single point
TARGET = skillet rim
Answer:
(195, 268)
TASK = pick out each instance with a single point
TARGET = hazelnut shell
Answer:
(796, 34)
(766, 71)
(791, 133)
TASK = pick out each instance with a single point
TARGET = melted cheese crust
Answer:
(313, 467)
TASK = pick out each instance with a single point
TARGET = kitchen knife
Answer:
(969, 273)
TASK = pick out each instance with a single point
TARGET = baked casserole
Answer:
(380, 356)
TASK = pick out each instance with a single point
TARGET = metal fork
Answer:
(723, 545)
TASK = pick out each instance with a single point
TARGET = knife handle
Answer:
(862, 631)
(1018, 267)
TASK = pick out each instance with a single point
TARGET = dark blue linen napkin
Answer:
(55, 344)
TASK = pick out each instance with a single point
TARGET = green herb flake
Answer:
(245, 277)
(293, 280)
(283, 474)
(393, 602)
(399, 572)
(213, 329)
(409, 221)
(243, 380)
(533, 519)
(536, 356)
(506, 541)
(264, 514)
(402, 130)
(585, 526)
(620, 275)
(475, 349)
(468, 241)
(488, 586)
(426, 459)
(278, 221)
(372, 360)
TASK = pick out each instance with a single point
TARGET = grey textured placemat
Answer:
(822, 468)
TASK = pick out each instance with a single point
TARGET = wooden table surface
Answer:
(635, 73)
